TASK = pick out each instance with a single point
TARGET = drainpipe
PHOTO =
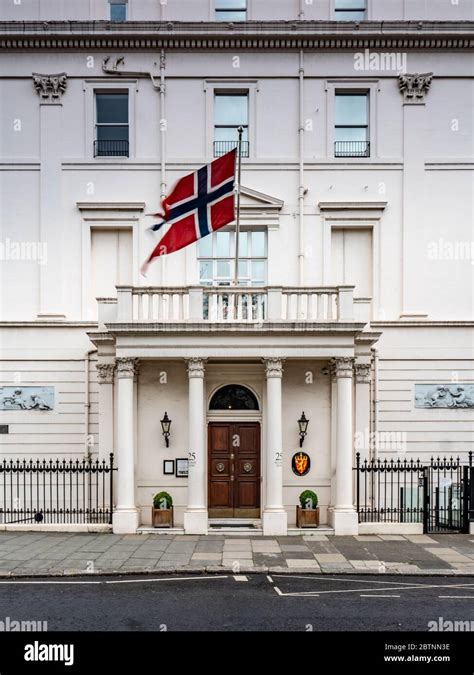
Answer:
(163, 125)
(87, 405)
(301, 188)
(374, 453)
(163, 122)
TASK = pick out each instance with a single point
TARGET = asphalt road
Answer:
(241, 603)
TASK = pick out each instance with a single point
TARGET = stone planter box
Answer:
(307, 517)
(162, 517)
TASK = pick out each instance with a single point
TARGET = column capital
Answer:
(50, 87)
(196, 367)
(105, 373)
(273, 366)
(342, 366)
(414, 86)
(362, 373)
(126, 367)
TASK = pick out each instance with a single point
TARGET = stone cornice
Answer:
(233, 328)
(149, 35)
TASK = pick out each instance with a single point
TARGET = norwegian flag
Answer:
(200, 203)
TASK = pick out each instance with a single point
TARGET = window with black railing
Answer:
(231, 111)
(112, 126)
(351, 133)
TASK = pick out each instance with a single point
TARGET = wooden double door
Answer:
(234, 469)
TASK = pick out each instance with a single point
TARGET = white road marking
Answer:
(118, 581)
(357, 590)
(278, 591)
(462, 597)
(39, 583)
(240, 577)
(372, 595)
(269, 579)
(149, 581)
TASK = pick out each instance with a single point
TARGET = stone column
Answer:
(50, 89)
(362, 409)
(275, 519)
(344, 516)
(105, 378)
(126, 515)
(195, 516)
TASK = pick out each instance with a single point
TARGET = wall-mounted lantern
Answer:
(165, 426)
(303, 425)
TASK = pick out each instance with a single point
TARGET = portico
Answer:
(178, 365)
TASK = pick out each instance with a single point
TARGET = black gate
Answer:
(439, 494)
(447, 495)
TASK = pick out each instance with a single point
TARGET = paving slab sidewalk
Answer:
(63, 554)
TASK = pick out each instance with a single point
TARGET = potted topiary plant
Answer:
(307, 515)
(162, 511)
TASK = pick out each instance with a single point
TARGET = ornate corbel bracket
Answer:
(50, 87)
(414, 86)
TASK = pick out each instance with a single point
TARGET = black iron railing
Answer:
(352, 148)
(221, 147)
(56, 491)
(440, 494)
(111, 148)
(388, 490)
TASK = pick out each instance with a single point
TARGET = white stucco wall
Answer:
(421, 166)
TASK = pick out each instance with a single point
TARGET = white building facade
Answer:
(355, 296)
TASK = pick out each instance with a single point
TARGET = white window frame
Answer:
(333, 13)
(96, 85)
(119, 2)
(212, 11)
(369, 86)
(212, 87)
(214, 258)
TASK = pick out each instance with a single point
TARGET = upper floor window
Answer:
(231, 111)
(118, 10)
(111, 126)
(350, 10)
(216, 255)
(231, 10)
(351, 137)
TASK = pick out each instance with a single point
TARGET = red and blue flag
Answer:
(199, 204)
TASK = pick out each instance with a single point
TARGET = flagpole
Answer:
(237, 221)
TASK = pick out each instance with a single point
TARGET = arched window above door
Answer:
(233, 397)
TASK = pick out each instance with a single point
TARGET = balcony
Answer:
(221, 147)
(351, 148)
(234, 305)
(108, 148)
(233, 322)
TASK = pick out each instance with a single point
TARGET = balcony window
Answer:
(216, 258)
(118, 11)
(112, 128)
(230, 112)
(351, 138)
(350, 10)
(231, 10)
